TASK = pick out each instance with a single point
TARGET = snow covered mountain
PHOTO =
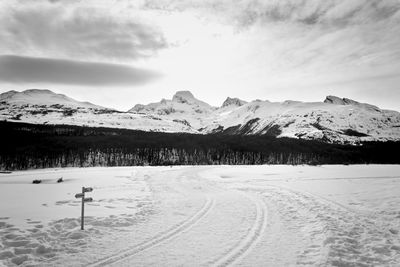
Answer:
(46, 107)
(349, 121)
(40, 97)
(183, 108)
(337, 120)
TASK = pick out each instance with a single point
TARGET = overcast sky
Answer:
(120, 53)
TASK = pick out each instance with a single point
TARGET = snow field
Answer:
(43, 220)
(333, 215)
(204, 216)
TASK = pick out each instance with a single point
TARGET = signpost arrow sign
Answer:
(87, 189)
(87, 199)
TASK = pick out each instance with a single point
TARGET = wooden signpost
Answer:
(87, 199)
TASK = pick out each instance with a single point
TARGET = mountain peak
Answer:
(183, 97)
(233, 101)
(331, 99)
(26, 93)
(47, 91)
(42, 97)
(7, 94)
(346, 101)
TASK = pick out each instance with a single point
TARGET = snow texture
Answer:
(206, 216)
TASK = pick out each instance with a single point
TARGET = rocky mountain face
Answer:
(233, 101)
(335, 120)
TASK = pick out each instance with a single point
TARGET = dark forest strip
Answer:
(28, 146)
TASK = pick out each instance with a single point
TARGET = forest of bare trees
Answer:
(26, 146)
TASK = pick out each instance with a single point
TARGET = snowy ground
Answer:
(203, 216)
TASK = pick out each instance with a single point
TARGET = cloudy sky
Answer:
(117, 53)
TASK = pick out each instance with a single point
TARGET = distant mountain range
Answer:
(335, 120)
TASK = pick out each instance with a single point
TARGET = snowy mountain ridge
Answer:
(335, 120)
(346, 101)
(43, 97)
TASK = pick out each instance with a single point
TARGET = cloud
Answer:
(308, 12)
(65, 30)
(230, 47)
(17, 69)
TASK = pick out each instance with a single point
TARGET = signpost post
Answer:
(87, 199)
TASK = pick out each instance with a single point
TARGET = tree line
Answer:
(29, 146)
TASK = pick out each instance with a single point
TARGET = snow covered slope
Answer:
(42, 97)
(183, 107)
(334, 122)
(46, 107)
(338, 120)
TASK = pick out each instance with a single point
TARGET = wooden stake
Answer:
(83, 208)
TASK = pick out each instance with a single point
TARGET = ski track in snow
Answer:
(350, 238)
(243, 246)
(159, 238)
